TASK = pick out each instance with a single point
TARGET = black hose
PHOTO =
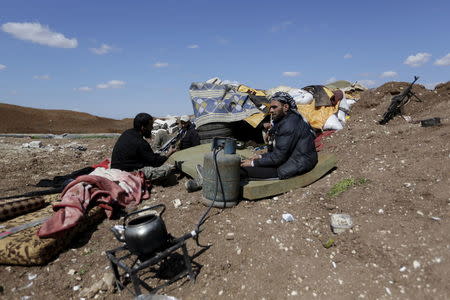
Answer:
(218, 180)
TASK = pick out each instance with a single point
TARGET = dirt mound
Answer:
(19, 119)
(374, 102)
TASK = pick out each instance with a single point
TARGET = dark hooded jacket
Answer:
(294, 151)
(132, 152)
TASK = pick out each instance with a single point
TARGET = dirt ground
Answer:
(398, 248)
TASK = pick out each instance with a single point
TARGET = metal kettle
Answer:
(145, 234)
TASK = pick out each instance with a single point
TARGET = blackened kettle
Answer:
(145, 234)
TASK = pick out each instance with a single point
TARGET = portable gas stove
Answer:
(131, 264)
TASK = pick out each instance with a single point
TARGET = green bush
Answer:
(344, 185)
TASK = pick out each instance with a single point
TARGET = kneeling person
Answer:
(132, 152)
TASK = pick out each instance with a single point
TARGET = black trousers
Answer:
(259, 173)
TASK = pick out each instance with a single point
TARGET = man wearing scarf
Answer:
(293, 152)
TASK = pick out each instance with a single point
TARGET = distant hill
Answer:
(19, 119)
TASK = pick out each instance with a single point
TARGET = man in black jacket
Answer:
(293, 152)
(189, 135)
(132, 152)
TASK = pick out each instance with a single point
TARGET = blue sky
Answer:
(118, 58)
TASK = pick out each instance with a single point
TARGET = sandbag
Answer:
(333, 123)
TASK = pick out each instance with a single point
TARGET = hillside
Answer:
(19, 119)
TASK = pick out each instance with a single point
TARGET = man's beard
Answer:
(147, 133)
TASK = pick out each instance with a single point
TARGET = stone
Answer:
(109, 280)
(341, 222)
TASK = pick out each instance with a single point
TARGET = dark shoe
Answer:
(192, 185)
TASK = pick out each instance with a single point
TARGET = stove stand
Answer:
(139, 264)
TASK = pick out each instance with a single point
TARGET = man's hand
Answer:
(267, 126)
(171, 150)
(256, 156)
(246, 163)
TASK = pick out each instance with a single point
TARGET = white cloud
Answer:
(367, 82)
(443, 61)
(348, 56)
(223, 41)
(104, 49)
(42, 77)
(112, 84)
(291, 74)
(418, 59)
(83, 89)
(2, 67)
(194, 46)
(330, 80)
(388, 74)
(161, 65)
(281, 26)
(40, 34)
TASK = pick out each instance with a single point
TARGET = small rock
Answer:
(388, 291)
(341, 222)
(71, 272)
(403, 269)
(176, 203)
(275, 198)
(76, 288)
(230, 236)
(416, 264)
(35, 144)
(109, 280)
(32, 276)
(288, 218)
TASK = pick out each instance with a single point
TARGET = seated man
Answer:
(132, 152)
(293, 151)
(189, 135)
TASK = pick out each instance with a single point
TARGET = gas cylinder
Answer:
(223, 152)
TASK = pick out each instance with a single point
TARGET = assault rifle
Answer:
(397, 103)
(172, 141)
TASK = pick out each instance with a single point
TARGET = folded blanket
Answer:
(122, 188)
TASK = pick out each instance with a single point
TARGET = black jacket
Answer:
(132, 152)
(190, 138)
(294, 151)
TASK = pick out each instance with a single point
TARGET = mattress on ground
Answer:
(11, 208)
(26, 248)
(189, 158)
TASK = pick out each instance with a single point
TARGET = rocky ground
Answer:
(393, 180)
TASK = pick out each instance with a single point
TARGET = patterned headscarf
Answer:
(285, 98)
